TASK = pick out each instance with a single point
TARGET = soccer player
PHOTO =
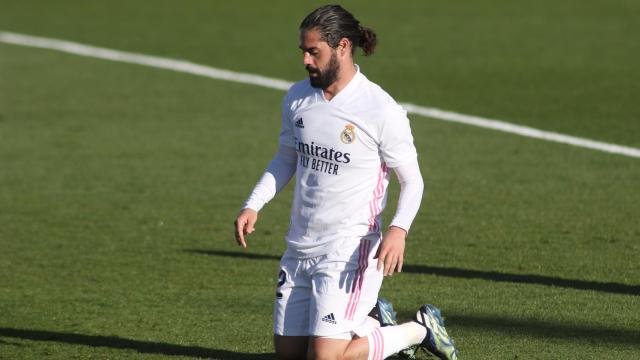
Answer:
(340, 136)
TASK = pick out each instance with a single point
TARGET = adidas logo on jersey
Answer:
(300, 124)
(329, 318)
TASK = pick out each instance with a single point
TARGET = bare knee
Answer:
(330, 356)
(335, 349)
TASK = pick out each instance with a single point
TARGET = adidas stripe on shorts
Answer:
(328, 295)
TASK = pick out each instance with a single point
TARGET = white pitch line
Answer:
(522, 130)
(278, 84)
(145, 60)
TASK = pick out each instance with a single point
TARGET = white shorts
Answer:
(329, 295)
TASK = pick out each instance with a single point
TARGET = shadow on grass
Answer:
(145, 347)
(608, 287)
(235, 254)
(531, 328)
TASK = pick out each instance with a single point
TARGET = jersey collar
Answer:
(343, 94)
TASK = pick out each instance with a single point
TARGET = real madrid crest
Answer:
(348, 135)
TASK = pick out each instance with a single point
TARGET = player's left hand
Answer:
(391, 251)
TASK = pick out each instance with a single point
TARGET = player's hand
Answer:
(245, 225)
(391, 251)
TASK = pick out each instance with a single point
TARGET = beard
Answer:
(322, 79)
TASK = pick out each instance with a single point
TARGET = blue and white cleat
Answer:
(437, 341)
(383, 312)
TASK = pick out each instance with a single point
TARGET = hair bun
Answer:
(368, 40)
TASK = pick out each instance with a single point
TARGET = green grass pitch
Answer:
(119, 183)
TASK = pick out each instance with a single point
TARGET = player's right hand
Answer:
(245, 225)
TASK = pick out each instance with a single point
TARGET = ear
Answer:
(344, 47)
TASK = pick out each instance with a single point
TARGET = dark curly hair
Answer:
(334, 23)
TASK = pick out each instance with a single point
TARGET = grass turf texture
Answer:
(119, 183)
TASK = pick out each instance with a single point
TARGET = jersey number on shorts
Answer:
(282, 278)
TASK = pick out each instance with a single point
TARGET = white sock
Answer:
(388, 340)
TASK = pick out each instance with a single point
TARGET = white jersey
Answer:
(345, 147)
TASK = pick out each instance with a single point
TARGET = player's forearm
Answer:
(411, 189)
(274, 179)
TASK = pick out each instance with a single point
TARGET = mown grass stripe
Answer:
(279, 84)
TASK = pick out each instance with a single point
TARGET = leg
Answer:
(384, 315)
(338, 314)
(345, 286)
(380, 344)
(291, 311)
(291, 347)
(336, 349)
(426, 330)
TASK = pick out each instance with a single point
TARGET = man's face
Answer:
(320, 60)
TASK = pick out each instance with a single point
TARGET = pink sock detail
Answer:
(376, 345)
(386, 341)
